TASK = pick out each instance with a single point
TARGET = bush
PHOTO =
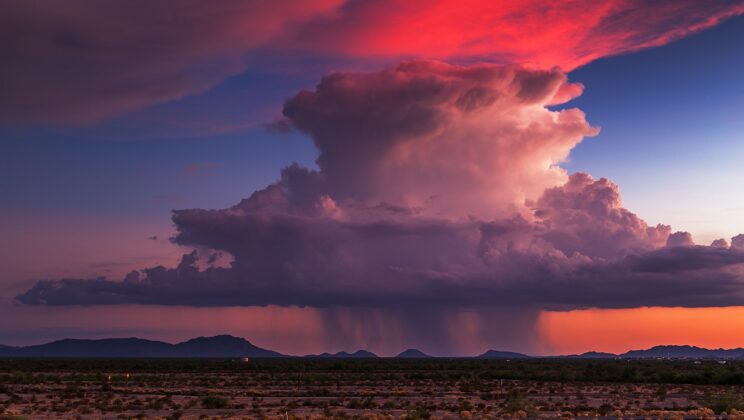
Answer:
(724, 403)
(418, 414)
(516, 402)
(214, 401)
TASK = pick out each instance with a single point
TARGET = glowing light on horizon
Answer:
(620, 330)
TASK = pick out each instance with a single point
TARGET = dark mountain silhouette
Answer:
(684, 352)
(495, 354)
(597, 355)
(592, 355)
(226, 346)
(203, 347)
(7, 350)
(412, 354)
(668, 352)
(359, 354)
(221, 346)
(110, 347)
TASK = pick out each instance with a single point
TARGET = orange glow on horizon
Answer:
(620, 330)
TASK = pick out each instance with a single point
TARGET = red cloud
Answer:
(81, 61)
(540, 33)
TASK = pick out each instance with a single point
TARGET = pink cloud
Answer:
(449, 140)
(737, 241)
(680, 239)
(587, 217)
(437, 187)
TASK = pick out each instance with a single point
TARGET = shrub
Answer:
(214, 401)
(418, 414)
(517, 402)
(176, 415)
(724, 403)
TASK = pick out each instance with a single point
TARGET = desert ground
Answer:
(381, 388)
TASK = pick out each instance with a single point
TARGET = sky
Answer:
(545, 177)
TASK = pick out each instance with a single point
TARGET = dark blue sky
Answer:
(672, 120)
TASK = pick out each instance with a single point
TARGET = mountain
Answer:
(221, 346)
(359, 354)
(227, 346)
(592, 355)
(110, 347)
(412, 354)
(684, 352)
(7, 351)
(495, 354)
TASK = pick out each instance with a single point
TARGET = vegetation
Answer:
(413, 389)
(724, 403)
(466, 371)
(214, 401)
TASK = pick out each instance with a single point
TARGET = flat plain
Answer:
(375, 388)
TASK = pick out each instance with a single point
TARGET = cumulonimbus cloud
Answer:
(446, 140)
(436, 185)
(82, 61)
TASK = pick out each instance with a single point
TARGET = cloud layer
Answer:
(534, 32)
(439, 186)
(84, 61)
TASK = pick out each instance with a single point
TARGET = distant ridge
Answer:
(667, 352)
(592, 355)
(684, 352)
(412, 354)
(359, 354)
(227, 346)
(221, 346)
(496, 354)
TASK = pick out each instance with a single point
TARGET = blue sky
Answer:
(672, 123)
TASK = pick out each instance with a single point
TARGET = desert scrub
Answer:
(214, 401)
(516, 402)
(724, 403)
(417, 414)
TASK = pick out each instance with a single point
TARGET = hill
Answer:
(592, 355)
(412, 354)
(684, 352)
(227, 346)
(359, 354)
(221, 346)
(496, 354)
